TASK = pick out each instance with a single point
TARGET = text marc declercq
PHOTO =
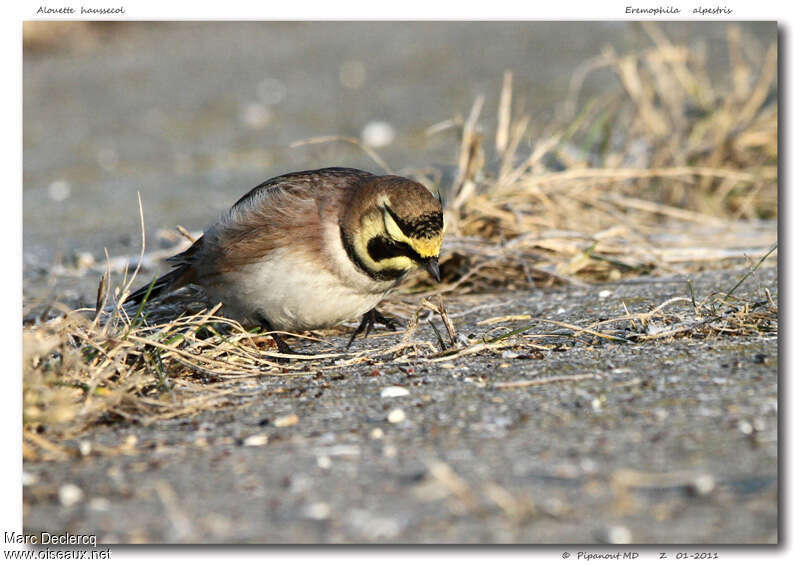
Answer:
(54, 539)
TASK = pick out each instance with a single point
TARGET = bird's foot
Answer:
(389, 323)
(368, 321)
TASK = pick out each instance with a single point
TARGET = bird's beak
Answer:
(432, 266)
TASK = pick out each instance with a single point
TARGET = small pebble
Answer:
(343, 450)
(604, 293)
(255, 115)
(702, 485)
(554, 507)
(376, 433)
(394, 392)
(461, 340)
(377, 134)
(70, 495)
(318, 511)
(85, 447)
(396, 416)
(372, 526)
(99, 504)
(29, 479)
(59, 190)
(324, 462)
(286, 421)
(745, 427)
(615, 534)
(256, 440)
(84, 260)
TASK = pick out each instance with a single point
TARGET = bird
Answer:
(312, 249)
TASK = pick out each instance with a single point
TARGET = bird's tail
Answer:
(172, 280)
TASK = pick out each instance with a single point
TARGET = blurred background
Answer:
(194, 114)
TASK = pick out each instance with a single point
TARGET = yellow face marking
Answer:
(401, 262)
(425, 246)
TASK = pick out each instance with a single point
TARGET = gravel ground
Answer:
(656, 442)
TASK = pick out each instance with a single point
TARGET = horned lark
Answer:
(312, 249)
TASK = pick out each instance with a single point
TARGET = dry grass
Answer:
(655, 176)
(666, 175)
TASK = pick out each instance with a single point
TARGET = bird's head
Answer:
(396, 225)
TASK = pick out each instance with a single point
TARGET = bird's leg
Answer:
(267, 327)
(366, 325)
(368, 321)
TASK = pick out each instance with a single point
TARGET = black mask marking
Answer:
(380, 248)
(382, 275)
(425, 226)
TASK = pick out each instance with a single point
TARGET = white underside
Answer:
(294, 292)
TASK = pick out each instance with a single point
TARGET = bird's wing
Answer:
(285, 211)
